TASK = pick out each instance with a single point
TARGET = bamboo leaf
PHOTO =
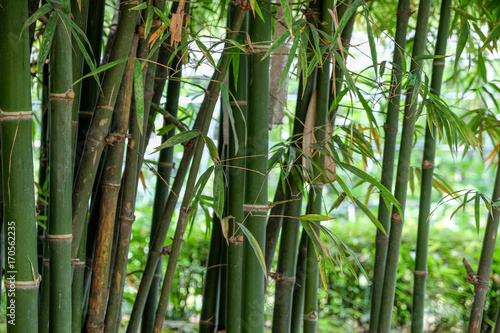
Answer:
(140, 7)
(200, 185)
(39, 13)
(254, 5)
(225, 97)
(371, 41)
(149, 21)
(206, 53)
(337, 202)
(139, 94)
(477, 210)
(212, 149)
(103, 68)
(370, 215)
(177, 139)
(463, 37)
(287, 13)
(493, 35)
(275, 158)
(255, 246)
(280, 40)
(291, 57)
(315, 217)
(219, 191)
(47, 41)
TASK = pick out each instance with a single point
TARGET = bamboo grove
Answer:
(92, 102)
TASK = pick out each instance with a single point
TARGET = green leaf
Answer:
(219, 191)
(463, 37)
(200, 185)
(177, 139)
(291, 57)
(477, 209)
(139, 94)
(206, 53)
(315, 217)
(254, 5)
(371, 41)
(287, 13)
(140, 7)
(370, 215)
(149, 21)
(225, 97)
(275, 158)
(493, 35)
(280, 40)
(103, 68)
(255, 246)
(212, 149)
(39, 13)
(47, 41)
(430, 56)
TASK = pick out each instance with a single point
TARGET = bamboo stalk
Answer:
(299, 289)
(202, 123)
(256, 196)
(482, 278)
(165, 166)
(236, 189)
(420, 272)
(59, 233)
(101, 121)
(89, 88)
(110, 184)
(391, 131)
(80, 10)
(21, 260)
(403, 171)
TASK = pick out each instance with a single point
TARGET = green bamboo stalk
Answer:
(77, 288)
(135, 156)
(482, 278)
(89, 88)
(213, 314)
(315, 194)
(202, 123)
(288, 261)
(101, 121)
(256, 198)
(299, 289)
(125, 219)
(273, 226)
(403, 171)
(236, 190)
(110, 184)
(420, 272)
(391, 131)
(285, 273)
(59, 233)
(21, 262)
(165, 166)
(209, 310)
(79, 10)
(312, 268)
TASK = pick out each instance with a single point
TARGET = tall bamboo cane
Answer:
(201, 123)
(110, 184)
(482, 278)
(420, 272)
(101, 121)
(79, 10)
(396, 228)
(61, 178)
(165, 167)
(235, 190)
(391, 131)
(21, 264)
(256, 197)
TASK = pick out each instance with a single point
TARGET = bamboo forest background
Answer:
(250, 166)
